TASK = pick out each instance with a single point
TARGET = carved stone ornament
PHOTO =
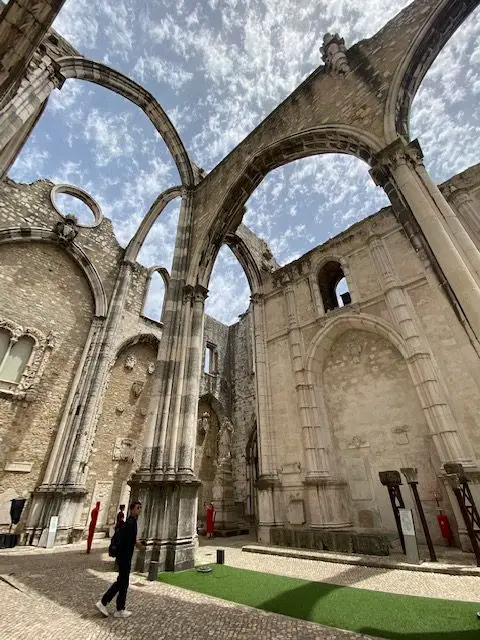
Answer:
(120, 408)
(354, 349)
(357, 443)
(66, 230)
(26, 387)
(151, 368)
(334, 54)
(124, 450)
(225, 440)
(203, 423)
(137, 388)
(130, 362)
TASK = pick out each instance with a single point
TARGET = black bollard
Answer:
(220, 556)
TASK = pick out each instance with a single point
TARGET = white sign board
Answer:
(52, 532)
(406, 521)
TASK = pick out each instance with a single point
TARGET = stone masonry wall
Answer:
(120, 429)
(40, 285)
(456, 365)
(243, 402)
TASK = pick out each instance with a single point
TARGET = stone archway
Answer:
(377, 424)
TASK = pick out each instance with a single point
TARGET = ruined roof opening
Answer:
(229, 291)
(445, 115)
(303, 204)
(96, 140)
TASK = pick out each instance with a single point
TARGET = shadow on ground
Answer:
(75, 581)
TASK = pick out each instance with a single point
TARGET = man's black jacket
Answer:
(127, 536)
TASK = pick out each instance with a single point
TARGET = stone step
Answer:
(99, 535)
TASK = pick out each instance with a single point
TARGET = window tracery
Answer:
(24, 353)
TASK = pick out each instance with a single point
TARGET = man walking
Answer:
(127, 541)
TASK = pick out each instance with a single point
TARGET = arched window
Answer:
(333, 286)
(155, 294)
(14, 356)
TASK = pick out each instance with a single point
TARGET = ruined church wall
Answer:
(40, 284)
(406, 438)
(118, 440)
(243, 403)
(43, 288)
(218, 383)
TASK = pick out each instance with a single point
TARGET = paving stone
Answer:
(63, 585)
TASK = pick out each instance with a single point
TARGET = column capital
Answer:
(397, 153)
(257, 298)
(196, 293)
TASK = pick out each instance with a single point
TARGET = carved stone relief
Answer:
(137, 388)
(124, 450)
(130, 362)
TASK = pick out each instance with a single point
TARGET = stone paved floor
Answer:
(49, 595)
(59, 588)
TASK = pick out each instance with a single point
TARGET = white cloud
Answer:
(218, 68)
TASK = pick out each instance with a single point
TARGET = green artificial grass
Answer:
(384, 615)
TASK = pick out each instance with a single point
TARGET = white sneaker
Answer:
(102, 608)
(122, 614)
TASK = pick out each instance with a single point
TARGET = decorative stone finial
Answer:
(334, 54)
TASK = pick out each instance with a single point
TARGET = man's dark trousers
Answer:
(120, 587)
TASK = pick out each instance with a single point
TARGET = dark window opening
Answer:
(333, 286)
(211, 359)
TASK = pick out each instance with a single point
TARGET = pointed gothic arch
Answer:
(444, 19)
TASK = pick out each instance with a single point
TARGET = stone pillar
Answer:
(165, 481)
(10, 152)
(468, 211)
(192, 391)
(267, 465)
(462, 239)
(438, 415)
(23, 25)
(316, 464)
(325, 494)
(397, 163)
(63, 485)
(95, 387)
(42, 77)
(268, 482)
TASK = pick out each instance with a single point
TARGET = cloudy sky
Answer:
(218, 67)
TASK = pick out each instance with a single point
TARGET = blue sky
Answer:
(218, 67)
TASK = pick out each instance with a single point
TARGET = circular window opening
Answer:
(68, 200)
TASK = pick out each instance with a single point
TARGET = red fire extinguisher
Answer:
(444, 524)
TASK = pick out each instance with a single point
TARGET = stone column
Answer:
(42, 77)
(268, 481)
(46, 497)
(190, 399)
(23, 25)
(467, 209)
(397, 162)
(462, 239)
(438, 415)
(165, 482)
(265, 449)
(87, 419)
(10, 152)
(316, 463)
